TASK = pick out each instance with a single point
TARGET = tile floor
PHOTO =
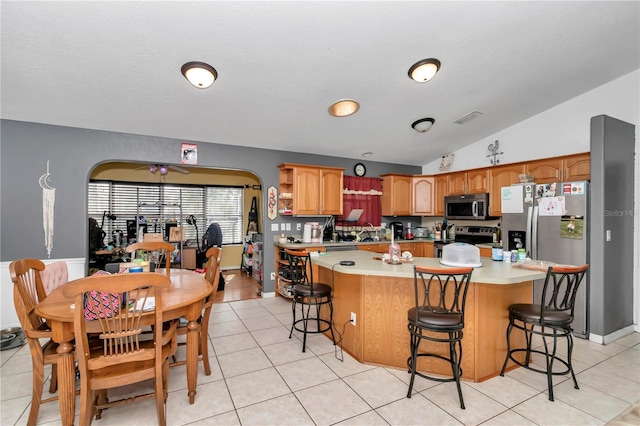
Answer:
(261, 377)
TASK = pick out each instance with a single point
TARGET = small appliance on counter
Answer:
(420, 232)
(398, 230)
(408, 235)
(461, 254)
(307, 231)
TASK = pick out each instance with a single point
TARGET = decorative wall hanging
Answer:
(272, 202)
(493, 149)
(48, 203)
(189, 153)
(446, 161)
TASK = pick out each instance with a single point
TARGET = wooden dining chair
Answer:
(118, 308)
(28, 290)
(148, 247)
(212, 275)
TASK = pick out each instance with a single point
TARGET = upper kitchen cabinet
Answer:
(576, 167)
(441, 183)
(396, 195)
(545, 171)
(498, 177)
(469, 182)
(423, 196)
(310, 190)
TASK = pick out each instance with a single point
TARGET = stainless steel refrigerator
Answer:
(550, 221)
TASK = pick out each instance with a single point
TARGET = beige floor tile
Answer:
(230, 418)
(284, 318)
(234, 343)
(506, 390)
(12, 409)
(593, 401)
(286, 352)
(261, 323)
(19, 364)
(243, 362)
(508, 418)
(226, 328)
(621, 365)
(212, 399)
(320, 344)
(629, 340)
(347, 367)
(331, 402)
(244, 304)
(478, 406)
(419, 383)
(220, 307)
(277, 305)
(613, 385)
(284, 410)
(16, 385)
(370, 418)
(377, 386)
(534, 379)
(257, 386)
(256, 312)
(416, 410)
(178, 375)
(544, 412)
(270, 336)
(222, 316)
(305, 373)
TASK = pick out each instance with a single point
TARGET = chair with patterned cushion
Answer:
(152, 248)
(118, 308)
(308, 294)
(28, 290)
(212, 275)
(550, 318)
(438, 317)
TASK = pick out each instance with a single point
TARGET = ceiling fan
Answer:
(163, 169)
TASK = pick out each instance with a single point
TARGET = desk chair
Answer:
(550, 318)
(212, 275)
(148, 247)
(438, 317)
(118, 307)
(28, 290)
(308, 294)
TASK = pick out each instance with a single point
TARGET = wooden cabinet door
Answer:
(577, 167)
(501, 176)
(427, 250)
(331, 190)
(396, 195)
(457, 183)
(441, 187)
(306, 191)
(478, 181)
(423, 196)
(545, 171)
(418, 249)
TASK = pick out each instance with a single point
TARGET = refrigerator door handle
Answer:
(474, 208)
(529, 231)
(534, 232)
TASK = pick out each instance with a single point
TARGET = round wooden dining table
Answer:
(185, 298)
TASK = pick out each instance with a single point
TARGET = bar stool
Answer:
(551, 317)
(438, 316)
(308, 294)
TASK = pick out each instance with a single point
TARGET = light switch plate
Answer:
(274, 227)
(298, 226)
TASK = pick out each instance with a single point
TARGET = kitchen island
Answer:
(380, 295)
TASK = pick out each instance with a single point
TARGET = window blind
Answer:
(161, 203)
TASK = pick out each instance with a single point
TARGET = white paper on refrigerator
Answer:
(512, 197)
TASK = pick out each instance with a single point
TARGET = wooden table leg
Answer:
(66, 383)
(193, 341)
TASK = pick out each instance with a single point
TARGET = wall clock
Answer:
(359, 169)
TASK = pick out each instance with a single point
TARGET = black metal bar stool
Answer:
(550, 318)
(308, 294)
(440, 295)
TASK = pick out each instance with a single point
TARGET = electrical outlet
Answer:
(273, 276)
(298, 226)
(353, 318)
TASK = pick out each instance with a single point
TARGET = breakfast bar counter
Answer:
(380, 294)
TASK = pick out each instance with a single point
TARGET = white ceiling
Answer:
(116, 66)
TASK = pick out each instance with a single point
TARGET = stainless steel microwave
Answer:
(467, 207)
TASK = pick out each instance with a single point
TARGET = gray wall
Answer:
(26, 147)
(612, 191)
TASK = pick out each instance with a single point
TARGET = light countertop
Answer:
(491, 272)
(349, 243)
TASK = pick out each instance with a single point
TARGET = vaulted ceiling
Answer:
(116, 66)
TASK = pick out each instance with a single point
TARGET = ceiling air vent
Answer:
(468, 117)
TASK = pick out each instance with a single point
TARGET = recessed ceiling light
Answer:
(344, 108)
(423, 124)
(367, 154)
(424, 70)
(199, 74)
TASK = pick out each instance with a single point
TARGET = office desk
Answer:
(184, 298)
